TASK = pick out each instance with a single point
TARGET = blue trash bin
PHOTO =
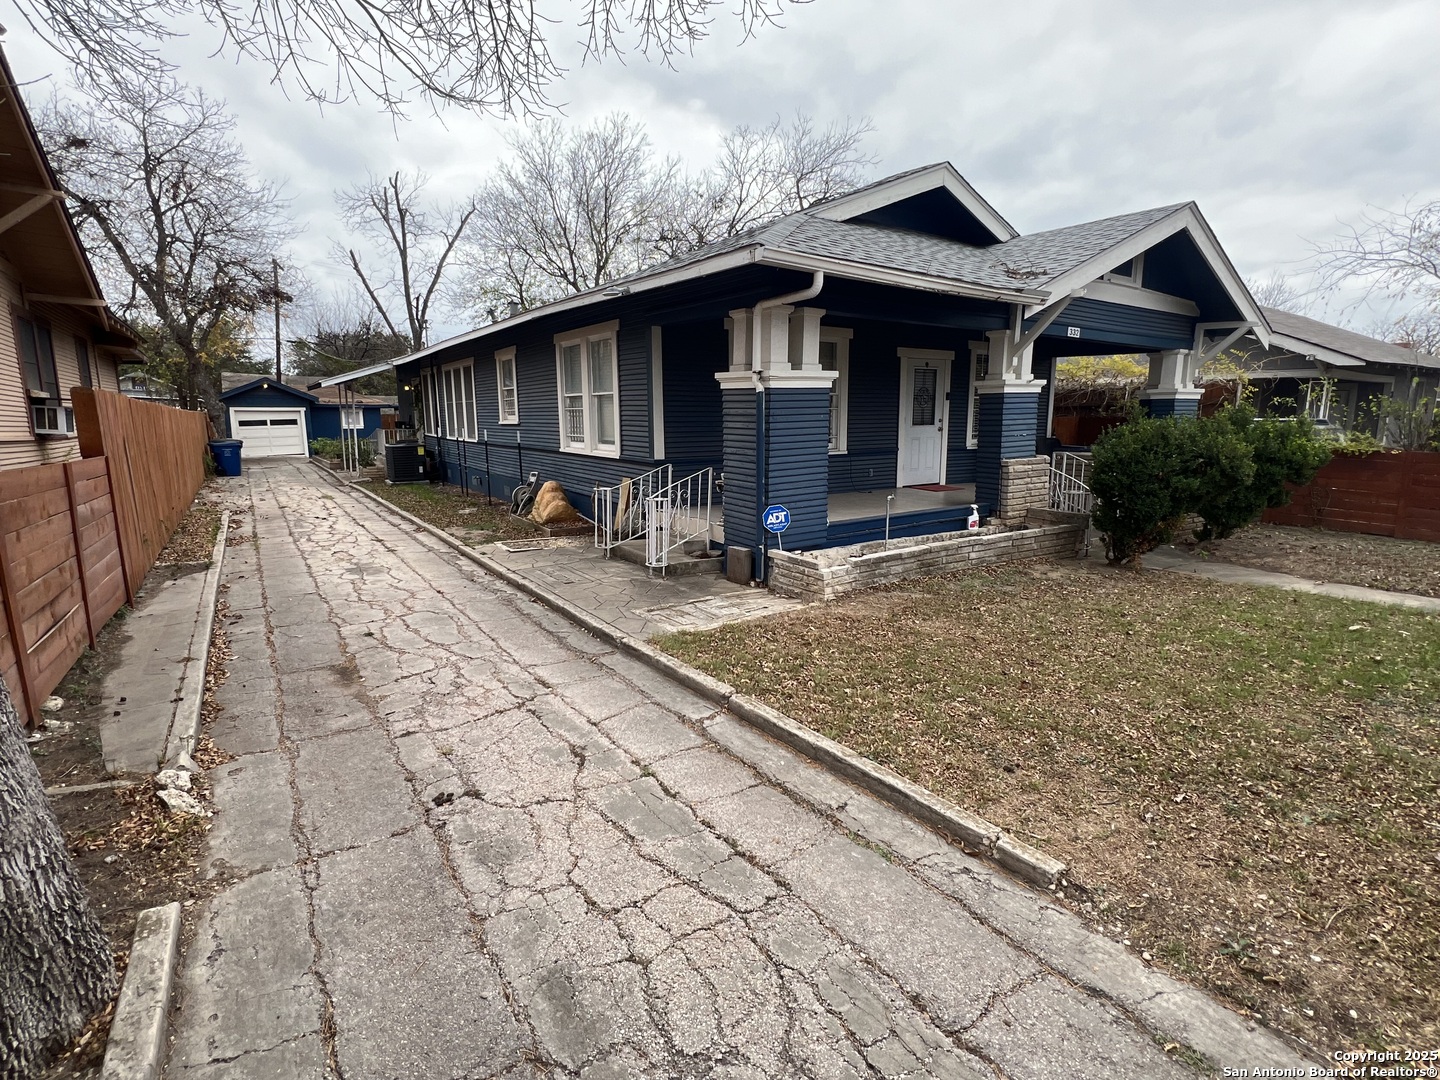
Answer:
(227, 456)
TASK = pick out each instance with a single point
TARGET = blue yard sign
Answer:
(776, 518)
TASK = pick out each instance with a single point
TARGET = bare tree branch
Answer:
(491, 56)
(577, 207)
(1395, 252)
(172, 211)
(418, 241)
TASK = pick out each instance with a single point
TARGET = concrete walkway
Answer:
(1169, 558)
(462, 839)
(633, 599)
(147, 685)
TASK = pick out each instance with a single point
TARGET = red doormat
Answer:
(936, 487)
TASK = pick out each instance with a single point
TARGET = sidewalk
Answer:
(462, 839)
(152, 695)
(1170, 558)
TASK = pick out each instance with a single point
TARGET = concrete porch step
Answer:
(681, 564)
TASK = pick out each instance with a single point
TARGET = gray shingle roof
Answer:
(1026, 262)
(1338, 339)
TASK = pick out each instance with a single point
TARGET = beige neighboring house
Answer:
(56, 332)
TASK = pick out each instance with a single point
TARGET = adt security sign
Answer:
(777, 518)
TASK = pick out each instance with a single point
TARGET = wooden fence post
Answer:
(23, 663)
(79, 552)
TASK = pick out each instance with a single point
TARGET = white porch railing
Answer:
(621, 510)
(676, 515)
(1070, 483)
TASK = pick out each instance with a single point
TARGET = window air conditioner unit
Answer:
(53, 420)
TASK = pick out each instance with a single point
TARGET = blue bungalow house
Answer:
(899, 340)
(279, 418)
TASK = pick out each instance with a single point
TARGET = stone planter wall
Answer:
(826, 574)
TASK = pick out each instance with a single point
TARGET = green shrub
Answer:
(1149, 474)
(1278, 450)
(1141, 484)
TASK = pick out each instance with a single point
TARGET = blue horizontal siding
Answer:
(742, 513)
(798, 436)
(1122, 325)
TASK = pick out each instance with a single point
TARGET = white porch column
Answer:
(805, 338)
(739, 324)
(1171, 390)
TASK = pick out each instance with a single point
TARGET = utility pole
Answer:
(275, 272)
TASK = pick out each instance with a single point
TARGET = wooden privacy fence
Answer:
(157, 464)
(77, 538)
(1383, 494)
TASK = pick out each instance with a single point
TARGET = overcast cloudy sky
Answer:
(1281, 118)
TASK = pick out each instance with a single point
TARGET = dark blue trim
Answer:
(1008, 427)
(1169, 406)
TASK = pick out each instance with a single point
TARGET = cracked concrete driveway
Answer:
(462, 838)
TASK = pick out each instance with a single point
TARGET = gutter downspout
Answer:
(762, 435)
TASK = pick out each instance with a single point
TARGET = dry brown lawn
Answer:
(1245, 782)
(1379, 562)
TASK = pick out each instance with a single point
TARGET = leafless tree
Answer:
(56, 970)
(573, 208)
(491, 56)
(418, 240)
(763, 173)
(169, 204)
(1278, 291)
(1397, 252)
(576, 208)
(1418, 330)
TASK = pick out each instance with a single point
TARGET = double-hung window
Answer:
(37, 357)
(430, 401)
(507, 389)
(589, 398)
(979, 372)
(458, 392)
(448, 397)
(835, 356)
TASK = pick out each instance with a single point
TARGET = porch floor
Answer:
(856, 505)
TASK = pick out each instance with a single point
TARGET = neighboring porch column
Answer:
(1009, 406)
(1171, 390)
(776, 429)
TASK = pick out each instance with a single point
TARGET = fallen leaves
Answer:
(1219, 748)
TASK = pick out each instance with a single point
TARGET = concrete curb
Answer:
(974, 832)
(185, 727)
(136, 1048)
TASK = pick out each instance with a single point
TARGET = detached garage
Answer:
(270, 419)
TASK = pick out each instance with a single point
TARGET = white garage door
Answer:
(269, 432)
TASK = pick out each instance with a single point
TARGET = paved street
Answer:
(463, 839)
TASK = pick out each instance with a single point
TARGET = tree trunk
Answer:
(56, 968)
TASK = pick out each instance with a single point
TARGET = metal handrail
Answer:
(1070, 483)
(678, 514)
(621, 509)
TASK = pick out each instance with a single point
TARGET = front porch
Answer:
(854, 517)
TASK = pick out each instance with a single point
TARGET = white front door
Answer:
(924, 387)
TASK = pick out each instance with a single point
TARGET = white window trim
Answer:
(657, 392)
(503, 357)
(841, 336)
(972, 419)
(429, 402)
(346, 411)
(1134, 278)
(583, 337)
